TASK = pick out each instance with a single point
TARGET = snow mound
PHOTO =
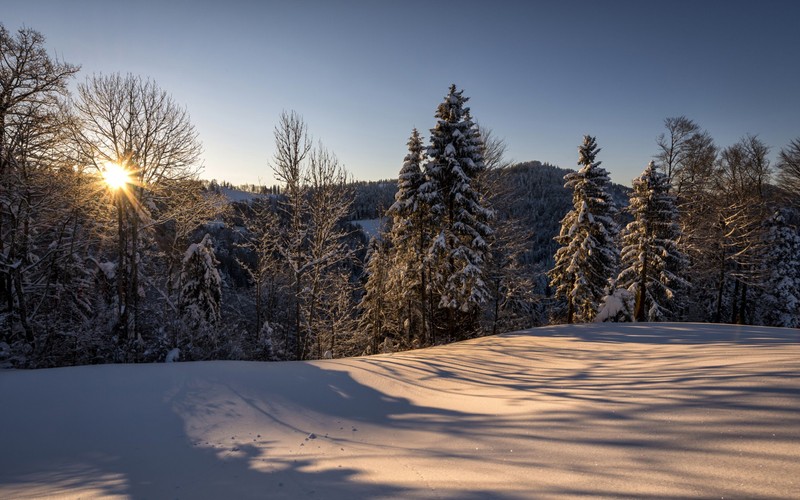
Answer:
(173, 355)
(237, 195)
(600, 410)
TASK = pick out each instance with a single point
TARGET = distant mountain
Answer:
(372, 198)
(532, 192)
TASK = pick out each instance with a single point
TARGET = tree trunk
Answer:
(720, 290)
(742, 315)
(134, 263)
(122, 286)
(5, 277)
(570, 311)
(735, 306)
(641, 296)
(22, 308)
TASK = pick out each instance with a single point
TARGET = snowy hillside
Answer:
(237, 195)
(633, 411)
(371, 227)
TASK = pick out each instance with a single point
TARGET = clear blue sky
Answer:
(363, 73)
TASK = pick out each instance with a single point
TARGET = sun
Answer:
(116, 176)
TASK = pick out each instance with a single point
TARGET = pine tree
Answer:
(652, 264)
(460, 241)
(409, 237)
(588, 255)
(780, 303)
(201, 285)
(375, 314)
(617, 306)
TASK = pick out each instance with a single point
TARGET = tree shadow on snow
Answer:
(669, 333)
(195, 431)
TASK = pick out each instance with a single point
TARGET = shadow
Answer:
(689, 410)
(624, 411)
(204, 430)
(670, 333)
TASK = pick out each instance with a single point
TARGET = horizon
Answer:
(362, 75)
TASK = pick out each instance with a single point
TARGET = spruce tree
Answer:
(780, 302)
(617, 306)
(201, 285)
(652, 264)
(409, 237)
(460, 241)
(375, 304)
(199, 302)
(588, 255)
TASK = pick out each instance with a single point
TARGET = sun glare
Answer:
(116, 176)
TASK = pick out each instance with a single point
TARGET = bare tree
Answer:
(681, 147)
(292, 147)
(789, 169)
(32, 121)
(130, 121)
(743, 173)
(307, 235)
(494, 149)
(329, 203)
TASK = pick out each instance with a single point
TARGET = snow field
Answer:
(601, 410)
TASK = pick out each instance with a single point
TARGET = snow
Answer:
(109, 269)
(237, 195)
(617, 306)
(173, 355)
(597, 410)
(371, 227)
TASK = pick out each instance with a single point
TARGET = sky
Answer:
(364, 73)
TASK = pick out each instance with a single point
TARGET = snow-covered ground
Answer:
(632, 411)
(371, 227)
(237, 195)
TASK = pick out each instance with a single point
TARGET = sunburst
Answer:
(116, 176)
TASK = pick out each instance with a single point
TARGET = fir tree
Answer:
(780, 303)
(375, 314)
(201, 285)
(409, 237)
(652, 264)
(460, 246)
(588, 255)
(617, 306)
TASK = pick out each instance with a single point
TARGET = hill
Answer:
(633, 410)
(530, 192)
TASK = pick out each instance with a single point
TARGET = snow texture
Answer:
(595, 410)
(237, 195)
(371, 227)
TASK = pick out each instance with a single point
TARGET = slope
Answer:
(668, 410)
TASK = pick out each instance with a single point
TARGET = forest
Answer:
(113, 250)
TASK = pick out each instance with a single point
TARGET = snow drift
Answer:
(668, 410)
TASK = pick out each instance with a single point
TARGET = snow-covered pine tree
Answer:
(409, 237)
(201, 285)
(780, 302)
(375, 304)
(460, 246)
(617, 306)
(652, 264)
(588, 255)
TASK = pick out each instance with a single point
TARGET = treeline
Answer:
(713, 236)
(112, 250)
